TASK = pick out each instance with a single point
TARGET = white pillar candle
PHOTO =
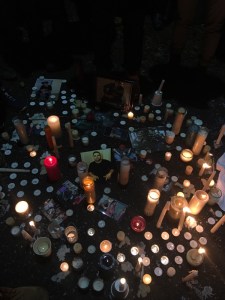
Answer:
(54, 124)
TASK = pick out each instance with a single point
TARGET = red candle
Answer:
(51, 165)
(138, 223)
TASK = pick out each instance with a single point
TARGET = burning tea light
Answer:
(180, 194)
(155, 248)
(186, 155)
(147, 279)
(91, 231)
(152, 201)
(165, 235)
(190, 222)
(180, 248)
(175, 232)
(148, 235)
(134, 251)
(164, 260)
(71, 234)
(90, 207)
(146, 261)
(168, 156)
(105, 246)
(64, 267)
(186, 183)
(121, 257)
(33, 153)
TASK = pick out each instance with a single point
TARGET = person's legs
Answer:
(186, 11)
(215, 19)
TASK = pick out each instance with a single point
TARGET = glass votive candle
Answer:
(138, 223)
(186, 155)
(105, 246)
(198, 201)
(71, 234)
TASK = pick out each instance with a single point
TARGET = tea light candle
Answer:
(22, 208)
(89, 189)
(51, 166)
(152, 201)
(165, 235)
(190, 222)
(90, 207)
(148, 235)
(134, 251)
(105, 246)
(168, 156)
(188, 170)
(33, 153)
(130, 115)
(175, 232)
(155, 248)
(198, 201)
(121, 257)
(64, 267)
(147, 279)
(186, 155)
(186, 183)
(54, 124)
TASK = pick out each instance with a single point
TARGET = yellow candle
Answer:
(152, 201)
(54, 124)
(198, 201)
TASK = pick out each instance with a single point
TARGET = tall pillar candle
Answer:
(48, 135)
(89, 189)
(199, 140)
(179, 118)
(52, 168)
(54, 123)
(21, 131)
(124, 171)
(198, 201)
(152, 201)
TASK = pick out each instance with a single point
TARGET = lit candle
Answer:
(195, 257)
(130, 115)
(138, 265)
(168, 156)
(22, 208)
(105, 246)
(138, 223)
(176, 207)
(182, 218)
(208, 182)
(180, 194)
(71, 234)
(51, 165)
(190, 222)
(204, 166)
(192, 274)
(163, 213)
(152, 201)
(121, 257)
(32, 225)
(33, 153)
(54, 124)
(90, 207)
(134, 251)
(198, 201)
(89, 189)
(186, 183)
(218, 224)
(186, 155)
(147, 279)
(64, 267)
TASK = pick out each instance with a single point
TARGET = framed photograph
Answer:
(88, 155)
(114, 92)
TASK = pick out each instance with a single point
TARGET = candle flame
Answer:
(122, 280)
(201, 250)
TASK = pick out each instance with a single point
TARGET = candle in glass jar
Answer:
(204, 166)
(105, 246)
(186, 155)
(176, 207)
(89, 189)
(71, 234)
(52, 168)
(54, 124)
(152, 201)
(198, 201)
(124, 171)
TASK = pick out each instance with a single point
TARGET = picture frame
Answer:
(114, 92)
